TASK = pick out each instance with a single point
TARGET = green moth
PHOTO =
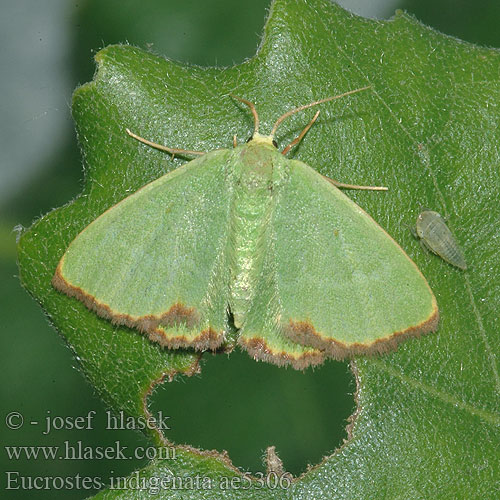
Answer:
(247, 239)
(436, 237)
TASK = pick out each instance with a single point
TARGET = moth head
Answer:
(262, 139)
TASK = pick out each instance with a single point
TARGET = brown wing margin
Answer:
(151, 325)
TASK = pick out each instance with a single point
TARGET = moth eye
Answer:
(249, 139)
(275, 144)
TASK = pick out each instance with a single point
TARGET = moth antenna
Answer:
(251, 105)
(172, 151)
(315, 103)
(301, 135)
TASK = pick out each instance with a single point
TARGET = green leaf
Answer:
(427, 424)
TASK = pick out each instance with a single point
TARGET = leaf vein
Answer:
(485, 415)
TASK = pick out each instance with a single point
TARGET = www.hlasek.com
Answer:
(78, 451)
(151, 484)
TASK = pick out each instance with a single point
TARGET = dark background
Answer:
(237, 405)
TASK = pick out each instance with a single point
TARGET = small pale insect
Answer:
(435, 236)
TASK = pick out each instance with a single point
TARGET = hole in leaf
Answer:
(242, 406)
